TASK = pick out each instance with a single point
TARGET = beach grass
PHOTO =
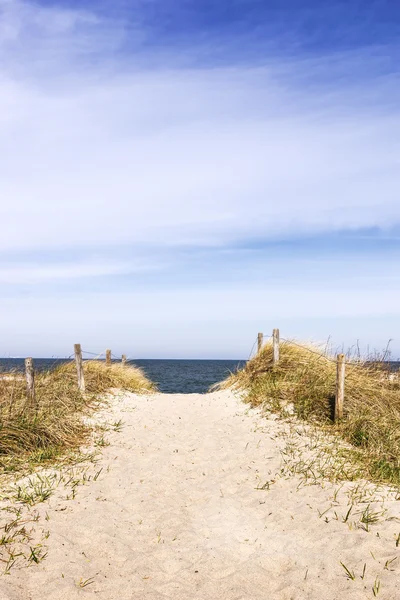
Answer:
(304, 381)
(55, 423)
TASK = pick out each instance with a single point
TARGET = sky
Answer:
(178, 175)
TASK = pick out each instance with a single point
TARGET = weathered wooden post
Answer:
(275, 346)
(108, 358)
(340, 377)
(260, 339)
(123, 361)
(79, 367)
(30, 382)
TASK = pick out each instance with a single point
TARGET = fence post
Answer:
(79, 367)
(123, 361)
(340, 377)
(30, 382)
(108, 358)
(275, 346)
(260, 339)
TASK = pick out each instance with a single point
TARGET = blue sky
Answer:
(177, 176)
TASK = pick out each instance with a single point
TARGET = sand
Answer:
(175, 513)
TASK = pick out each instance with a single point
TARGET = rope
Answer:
(309, 350)
(252, 350)
(324, 356)
(96, 355)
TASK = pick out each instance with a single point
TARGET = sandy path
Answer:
(175, 515)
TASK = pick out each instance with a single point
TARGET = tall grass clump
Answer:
(55, 423)
(305, 379)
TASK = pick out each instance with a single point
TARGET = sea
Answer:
(171, 376)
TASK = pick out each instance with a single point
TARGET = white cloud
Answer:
(209, 156)
(100, 152)
(32, 273)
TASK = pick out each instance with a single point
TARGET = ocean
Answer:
(171, 376)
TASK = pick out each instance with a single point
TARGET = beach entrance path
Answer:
(190, 505)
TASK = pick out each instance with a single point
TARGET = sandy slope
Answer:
(175, 514)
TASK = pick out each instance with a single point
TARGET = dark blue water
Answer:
(171, 376)
(187, 376)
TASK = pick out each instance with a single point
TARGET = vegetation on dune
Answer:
(305, 380)
(55, 423)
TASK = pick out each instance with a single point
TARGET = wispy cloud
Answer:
(154, 149)
(32, 273)
(205, 154)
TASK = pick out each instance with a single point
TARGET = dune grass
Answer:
(304, 380)
(56, 423)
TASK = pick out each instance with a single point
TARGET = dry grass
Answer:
(55, 424)
(305, 380)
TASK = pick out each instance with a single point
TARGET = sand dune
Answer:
(178, 512)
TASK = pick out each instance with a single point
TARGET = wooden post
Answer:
(108, 358)
(275, 346)
(79, 367)
(260, 339)
(123, 361)
(340, 377)
(30, 382)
